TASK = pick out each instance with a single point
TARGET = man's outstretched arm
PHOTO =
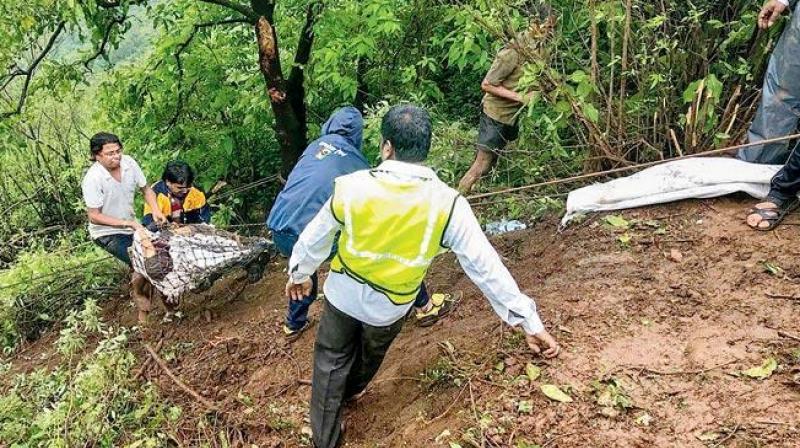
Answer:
(483, 266)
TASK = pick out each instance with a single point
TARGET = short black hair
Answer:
(408, 127)
(178, 172)
(101, 139)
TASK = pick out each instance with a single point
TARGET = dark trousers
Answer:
(786, 183)
(347, 354)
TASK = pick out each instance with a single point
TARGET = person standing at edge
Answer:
(779, 108)
(777, 116)
(393, 220)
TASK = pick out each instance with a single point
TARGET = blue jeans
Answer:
(297, 312)
(117, 245)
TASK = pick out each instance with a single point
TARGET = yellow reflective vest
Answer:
(391, 230)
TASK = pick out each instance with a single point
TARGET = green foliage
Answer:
(442, 374)
(611, 396)
(44, 285)
(92, 399)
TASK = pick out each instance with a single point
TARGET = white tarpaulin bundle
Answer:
(179, 259)
(701, 177)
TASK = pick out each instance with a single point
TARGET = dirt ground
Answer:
(657, 323)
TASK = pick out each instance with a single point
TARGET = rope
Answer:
(629, 168)
(245, 187)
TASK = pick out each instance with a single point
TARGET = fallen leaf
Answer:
(609, 412)
(675, 255)
(533, 371)
(443, 435)
(617, 221)
(772, 268)
(448, 346)
(644, 419)
(708, 436)
(763, 371)
(526, 444)
(554, 393)
(455, 445)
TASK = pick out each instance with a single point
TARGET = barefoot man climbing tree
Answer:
(393, 220)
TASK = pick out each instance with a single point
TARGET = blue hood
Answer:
(335, 153)
(348, 123)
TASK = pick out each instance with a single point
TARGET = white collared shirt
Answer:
(463, 236)
(113, 198)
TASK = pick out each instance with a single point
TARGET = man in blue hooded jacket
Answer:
(310, 184)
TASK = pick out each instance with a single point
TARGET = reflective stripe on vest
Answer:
(392, 230)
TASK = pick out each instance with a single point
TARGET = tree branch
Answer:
(241, 9)
(179, 63)
(295, 90)
(304, 45)
(106, 37)
(265, 8)
(107, 4)
(31, 69)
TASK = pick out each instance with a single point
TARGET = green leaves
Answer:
(611, 397)
(554, 393)
(763, 371)
(533, 371)
(94, 394)
(617, 221)
(772, 268)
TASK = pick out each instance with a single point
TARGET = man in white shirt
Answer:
(393, 220)
(109, 187)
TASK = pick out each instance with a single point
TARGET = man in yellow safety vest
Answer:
(393, 220)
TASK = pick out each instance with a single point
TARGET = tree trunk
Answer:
(362, 90)
(290, 128)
